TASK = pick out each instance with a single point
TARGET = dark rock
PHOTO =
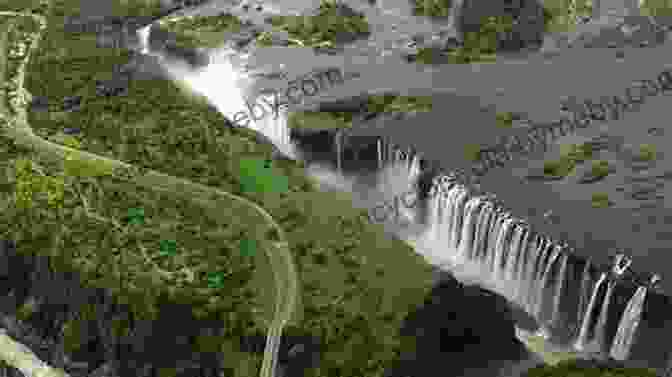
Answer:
(72, 103)
(461, 324)
(40, 104)
(643, 193)
(655, 131)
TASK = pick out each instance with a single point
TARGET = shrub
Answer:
(647, 152)
(431, 8)
(600, 169)
(600, 200)
(559, 168)
(576, 152)
(505, 120)
(472, 152)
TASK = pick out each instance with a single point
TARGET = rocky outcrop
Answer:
(455, 328)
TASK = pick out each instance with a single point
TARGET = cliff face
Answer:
(456, 329)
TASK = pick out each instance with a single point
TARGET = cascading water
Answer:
(588, 315)
(221, 83)
(627, 328)
(503, 254)
(617, 271)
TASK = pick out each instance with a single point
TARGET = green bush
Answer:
(576, 152)
(472, 152)
(479, 46)
(600, 200)
(504, 120)
(559, 168)
(647, 152)
(431, 8)
(600, 169)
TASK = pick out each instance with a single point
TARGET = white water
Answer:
(588, 316)
(620, 349)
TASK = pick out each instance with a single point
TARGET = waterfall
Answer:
(600, 328)
(143, 38)
(559, 286)
(625, 334)
(583, 292)
(587, 317)
(220, 82)
(545, 277)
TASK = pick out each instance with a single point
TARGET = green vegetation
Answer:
(561, 15)
(600, 200)
(580, 368)
(479, 46)
(404, 104)
(505, 120)
(570, 156)
(472, 152)
(431, 8)
(376, 104)
(647, 152)
(202, 31)
(600, 169)
(656, 8)
(335, 23)
(558, 168)
(319, 120)
(180, 242)
(257, 175)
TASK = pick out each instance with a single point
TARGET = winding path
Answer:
(278, 253)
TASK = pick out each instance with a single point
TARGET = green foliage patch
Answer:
(335, 23)
(431, 8)
(202, 31)
(574, 368)
(479, 46)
